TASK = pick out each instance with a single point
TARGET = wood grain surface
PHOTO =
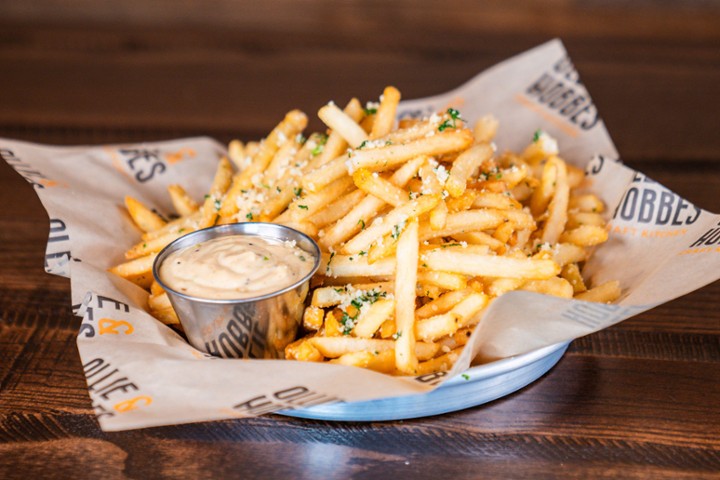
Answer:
(638, 400)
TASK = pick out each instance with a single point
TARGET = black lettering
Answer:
(691, 220)
(92, 365)
(549, 95)
(118, 305)
(212, 348)
(124, 388)
(561, 99)
(242, 317)
(56, 255)
(588, 121)
(665, 208)
(627, 210)
(682, 205)
(540, 85)
(155, 168)
(708, 238)
(430, 377)
(241, 338)
(255, 404)
(86, 330)
(290, 393)
(92, 386)
(647, 206)
(228, 347)
(570, 108)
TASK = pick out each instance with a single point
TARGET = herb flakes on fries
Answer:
(420, 227)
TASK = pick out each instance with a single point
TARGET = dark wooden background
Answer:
(639, 400)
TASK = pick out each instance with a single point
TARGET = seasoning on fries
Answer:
(421, 227)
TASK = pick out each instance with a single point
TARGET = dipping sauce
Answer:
(235, 267)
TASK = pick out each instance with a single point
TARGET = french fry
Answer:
(383, 362)
(144, 218)
(343, 124)
(604, 293)
(485, 129)
(571, 273)
(355, 220)
(464, 165)
(433, 328)
(405, 279)
(490, 265)
(558, 287)
(383, 158)
(557, 209)
(385, 116)
(342, 266)
(444, 280)
(369, 321)
(334, 347)
(585, 235)
(334, 144)
(210, 210)
(303, 207)
(373, 184)
(138, 270)
(442, 363)
(337, 209)
(313, 318)
(392, 222)
(441, 304)
(586, 203)
(183, 204)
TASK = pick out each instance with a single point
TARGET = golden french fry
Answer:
(441, 304)
(438, 216)
(442, 363)
(343, 124)
(558, 287)
(571, 273)
(383, 362)
(444, 280)
(585, 235)
(333, 347)
(464, 165)
(557, 209)
(183, 204)
(385, 116)
(313, 318)
(305, 206)
(334, 144)
(144, 218)
(337, 209)
(370, 206)
(138, 271)
(303, 350)
(369, 321)
(485, 129)
(373, 184)
(393, 222)
(489, 265)
(385, 157)
(586, 203)
(405, 280)
(604, 293)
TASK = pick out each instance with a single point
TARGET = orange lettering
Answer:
(131, 404)
(108, 325)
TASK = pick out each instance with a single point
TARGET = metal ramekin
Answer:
(257, 327)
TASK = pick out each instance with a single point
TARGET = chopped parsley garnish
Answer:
(327, 268)
(265, 258)
(370, 111)
(144, 245)
(320, 146)
(279, 190)
(498, 176)
(265, 185)
(297, 191)
(451, 245)
(181, 230)
(363, 145)
(536, 135)
(361, 222)
(366, 298)
(217, 204)
(249, 216)
(452, 121)
(465, 376)
(300, 138)
(395, 232)
(340, 290)
(302, 258)
(396, 335)
(304, 207)
(207, 196)
(362, 252)
(388, 142)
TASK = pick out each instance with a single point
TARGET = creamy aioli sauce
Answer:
(235, 267)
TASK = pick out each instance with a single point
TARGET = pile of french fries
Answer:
(421, 225)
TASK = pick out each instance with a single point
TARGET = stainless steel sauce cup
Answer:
(257, 327)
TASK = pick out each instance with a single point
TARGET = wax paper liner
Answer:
(140, 373)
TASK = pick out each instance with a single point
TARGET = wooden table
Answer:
(639, 400)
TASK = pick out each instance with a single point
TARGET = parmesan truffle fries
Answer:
(421, 226)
